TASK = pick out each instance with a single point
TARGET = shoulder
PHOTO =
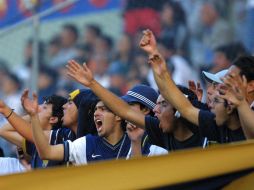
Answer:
(151, 121)
(62, 134)
(205, 114)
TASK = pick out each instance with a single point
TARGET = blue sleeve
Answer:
(66, 151)
(29, 148)
(60, 135)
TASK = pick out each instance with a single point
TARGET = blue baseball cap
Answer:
(142, 94)
(77, 95)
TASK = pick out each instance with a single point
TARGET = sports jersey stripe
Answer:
(57, 131)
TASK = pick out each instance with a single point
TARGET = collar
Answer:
(252, 105)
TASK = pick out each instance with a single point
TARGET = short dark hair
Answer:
(57, 108)
(232, 50)
(95, 28)
(15, 79)
(246, 66)
(72, 28)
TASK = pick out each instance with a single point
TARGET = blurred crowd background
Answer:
(193, 35)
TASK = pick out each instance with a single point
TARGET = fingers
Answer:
(244, 81)
(35, 97)
(236, 83)
(24, 94)
(74, 65)
(145, 40)
(85, 66)
(192, 85)
(147, 32)
(227, 80)
(71, 70)
(198, 85)
(222, 89)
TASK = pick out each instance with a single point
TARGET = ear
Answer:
(117, 118)
(145, 110)
(230, 109)
(250, 87)
(53, 120)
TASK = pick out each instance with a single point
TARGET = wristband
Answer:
(9, 114)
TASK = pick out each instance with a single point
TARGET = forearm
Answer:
(22, 126)
(175, 97)
(246, 116)
(136, 149)
(8, 133)
(45, 150)
(40, 140)
(118, 106)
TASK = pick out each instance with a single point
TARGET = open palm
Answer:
(30, 105)
(81, 74)
(237, 88)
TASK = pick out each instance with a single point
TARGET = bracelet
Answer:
(9, 114)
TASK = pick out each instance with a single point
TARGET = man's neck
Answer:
(74, 128)
(233, 122)
(115, 137)
(182, 133)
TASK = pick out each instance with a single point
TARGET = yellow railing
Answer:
(142, 173)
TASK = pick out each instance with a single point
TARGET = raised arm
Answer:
(20, 124)
(135, 135)
(83, 75)
(45, 150)
(9, 133)
(236, 94)
(163, 79)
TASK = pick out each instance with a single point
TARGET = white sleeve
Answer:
(10, 166)
(77, 151)
(156, 150)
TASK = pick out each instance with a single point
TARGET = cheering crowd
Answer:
(94, 124)
(186, 82)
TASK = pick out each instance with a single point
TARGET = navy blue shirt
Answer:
(220, 134)
(95, 148)
(167, 140)
(57, 137)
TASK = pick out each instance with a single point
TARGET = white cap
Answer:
(210, 77)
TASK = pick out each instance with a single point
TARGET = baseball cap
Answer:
(142, 94)
(77, 95)
(210, 77)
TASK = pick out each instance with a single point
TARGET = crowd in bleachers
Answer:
(197, 54)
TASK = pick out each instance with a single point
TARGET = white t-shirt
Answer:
(154, 151)
(10, 166)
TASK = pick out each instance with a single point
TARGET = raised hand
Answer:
(158, 64)
(81, 74)
(135, 134)
(148, 42)
(30, 105)
(196, 89)
(236, 88)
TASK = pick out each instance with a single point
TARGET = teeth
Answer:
(98, 121)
